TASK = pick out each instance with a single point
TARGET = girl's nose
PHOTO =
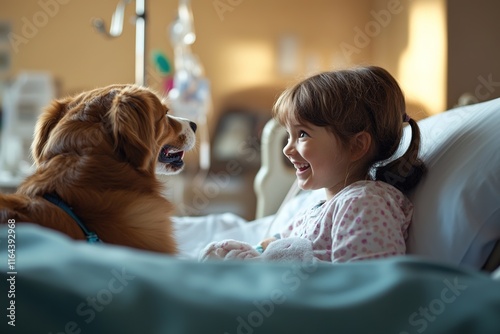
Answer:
(288, 149)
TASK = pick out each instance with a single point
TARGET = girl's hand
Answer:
(264, 243)
(228, 250)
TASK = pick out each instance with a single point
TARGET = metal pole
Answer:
(140, 42)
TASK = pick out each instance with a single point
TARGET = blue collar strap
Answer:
(55, 199)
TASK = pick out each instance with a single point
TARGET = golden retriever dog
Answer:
(96, 156)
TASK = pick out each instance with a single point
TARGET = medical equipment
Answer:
(190, 96)
(140, 34)
(23, 102)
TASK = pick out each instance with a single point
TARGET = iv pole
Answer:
(116, 28)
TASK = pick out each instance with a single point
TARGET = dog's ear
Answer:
(45, 124)
(132, 123)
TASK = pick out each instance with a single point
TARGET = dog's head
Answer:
(124, 123)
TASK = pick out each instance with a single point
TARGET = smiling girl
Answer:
(343, 129)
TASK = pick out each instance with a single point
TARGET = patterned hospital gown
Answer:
(365, 220)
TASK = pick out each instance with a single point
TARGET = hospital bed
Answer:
(448, 282)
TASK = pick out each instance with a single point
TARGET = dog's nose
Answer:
(193, 126)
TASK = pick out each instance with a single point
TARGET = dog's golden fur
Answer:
(99, 152)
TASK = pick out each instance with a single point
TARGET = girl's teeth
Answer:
(301, 166)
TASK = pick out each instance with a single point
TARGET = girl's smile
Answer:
(301, 167)
(319, 158)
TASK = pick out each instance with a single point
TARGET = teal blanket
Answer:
(55, 285)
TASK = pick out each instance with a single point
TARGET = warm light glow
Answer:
(422, 66)
(249, 64)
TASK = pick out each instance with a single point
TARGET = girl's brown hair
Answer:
(354, 100)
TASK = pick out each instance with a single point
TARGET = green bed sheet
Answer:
(56, 285)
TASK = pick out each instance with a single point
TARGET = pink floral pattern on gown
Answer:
(365, 220)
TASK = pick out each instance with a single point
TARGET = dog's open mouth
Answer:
(171, 156)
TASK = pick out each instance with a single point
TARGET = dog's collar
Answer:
(55, 199)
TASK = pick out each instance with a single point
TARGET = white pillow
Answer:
(457, 205)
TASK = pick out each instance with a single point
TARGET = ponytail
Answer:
(406, 171)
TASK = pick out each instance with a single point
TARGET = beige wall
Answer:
(238, 48)
(474, 48)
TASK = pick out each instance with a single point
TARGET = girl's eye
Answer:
(303, 134)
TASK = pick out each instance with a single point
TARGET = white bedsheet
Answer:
(194, 233)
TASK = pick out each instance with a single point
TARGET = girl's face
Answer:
(320, 159)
